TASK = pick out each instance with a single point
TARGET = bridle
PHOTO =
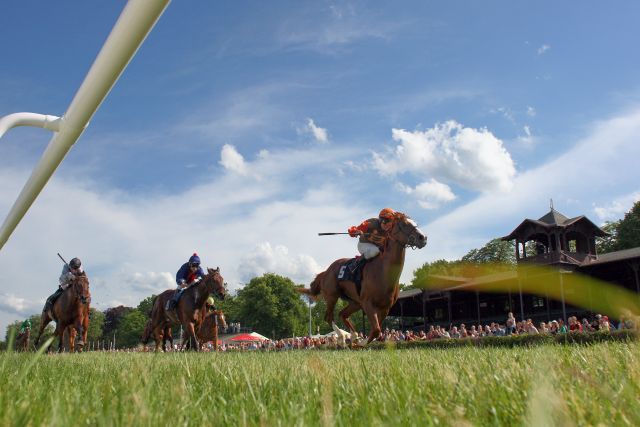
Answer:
(79, 288)
(211, 278)
(406, 230)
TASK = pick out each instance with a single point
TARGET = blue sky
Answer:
(242, 129)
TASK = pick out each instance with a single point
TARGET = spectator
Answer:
(511, 324)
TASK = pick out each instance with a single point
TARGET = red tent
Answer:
(252, 337)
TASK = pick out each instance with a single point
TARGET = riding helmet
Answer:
(194, 260)
(75, 263)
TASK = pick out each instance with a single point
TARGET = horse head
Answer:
(406, 232)
(222, 320)
(81, 288)
(215, 282)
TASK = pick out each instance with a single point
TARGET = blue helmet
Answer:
(194, 260)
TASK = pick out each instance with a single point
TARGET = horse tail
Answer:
(315, 287)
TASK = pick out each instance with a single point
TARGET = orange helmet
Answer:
(387, 213)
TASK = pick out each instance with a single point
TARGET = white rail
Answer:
(134, 24)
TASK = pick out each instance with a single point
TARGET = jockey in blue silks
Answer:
(189, 273)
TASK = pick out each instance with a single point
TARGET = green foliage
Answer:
(271, 306)
(610, 242)
(130, 329)
(146, 305)
(440, 267)
(629, 229)
(96, 324)
(495, 252)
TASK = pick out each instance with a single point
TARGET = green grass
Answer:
(542, 385)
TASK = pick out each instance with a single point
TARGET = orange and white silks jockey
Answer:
(373, 234)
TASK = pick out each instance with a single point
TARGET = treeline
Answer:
(270, 305)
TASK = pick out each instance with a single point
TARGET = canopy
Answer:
(253, 336)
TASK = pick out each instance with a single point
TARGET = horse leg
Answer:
(72, 338)
(60, 333)
(157, 337)
(44, 321)
(331, 305)
(346, 312)
(372, 315)
(79, 332)
(191, 333)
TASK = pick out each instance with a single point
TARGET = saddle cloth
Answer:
(346, 272)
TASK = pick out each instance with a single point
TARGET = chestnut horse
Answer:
(380, 279)
(71, 310)
(208, 331)
(189, 311)
(210, 326)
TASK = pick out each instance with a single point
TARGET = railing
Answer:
(131, 29)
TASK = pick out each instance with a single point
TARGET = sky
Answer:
(242, 129)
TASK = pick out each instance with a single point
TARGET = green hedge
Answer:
(513, 340)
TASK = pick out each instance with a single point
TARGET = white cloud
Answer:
(471, 158)
(527, 138)
(542, 49)
(320, 134)
(531, 112)
(430, 194)
(615, 209)
(612, 142)
(265, 258)
(132, 246)
(149, 282)
(232, 160)
(16, 305)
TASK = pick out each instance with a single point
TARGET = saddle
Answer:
(351, 270)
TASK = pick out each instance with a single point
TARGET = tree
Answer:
(146, 305)
(497, 251)
(112, 320)
(129, 332)
(421, 276)
(96, 324)
(608, 243)
(271, 306)
(628, 235)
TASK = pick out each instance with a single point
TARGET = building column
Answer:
(564, 308)
(634, 267)
(478, 304)
(449, 306)
(401, 314)
(521, 301)
(424, 310)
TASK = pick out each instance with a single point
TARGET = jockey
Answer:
(25, 325)
(68, 275)
(373, 235)
(211, 304)
(189, 273)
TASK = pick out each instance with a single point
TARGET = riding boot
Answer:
(171, 304)
(52, 299)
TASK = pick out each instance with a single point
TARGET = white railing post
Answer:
(134, 24)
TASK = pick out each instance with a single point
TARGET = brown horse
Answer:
(189, 311)
(71, 310)
(22, 340)
(208, 330)
(380, 279)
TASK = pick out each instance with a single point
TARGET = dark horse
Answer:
(70, 311)
(22, 340)
(380, 279)
(189, 311)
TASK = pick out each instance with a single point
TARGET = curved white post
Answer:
(134, 24)
(29, 119)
